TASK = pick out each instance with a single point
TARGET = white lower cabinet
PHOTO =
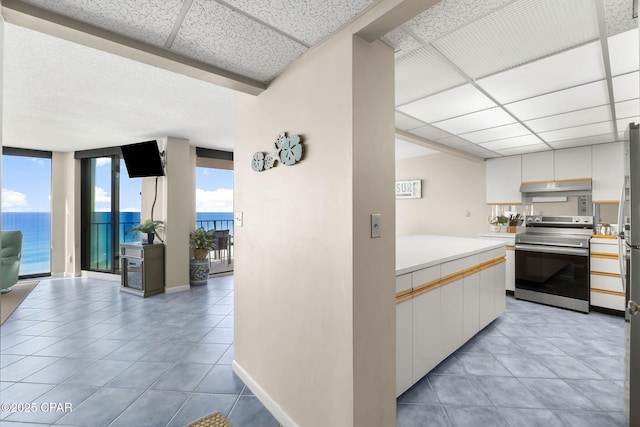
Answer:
(404, 346)
(470, 306)
(607, 290)
(499, 296)
(451, 300)
(510, 269)
(427, 351)
(487, 282)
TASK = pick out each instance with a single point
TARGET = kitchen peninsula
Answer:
(447, 289)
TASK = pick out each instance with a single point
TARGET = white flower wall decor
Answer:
(286, 150)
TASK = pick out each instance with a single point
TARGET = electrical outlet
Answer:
(238, 219)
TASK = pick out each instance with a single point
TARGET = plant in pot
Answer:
(149, 227)
(202, 241)
(497, 222)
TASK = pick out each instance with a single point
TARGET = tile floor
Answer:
(121, 360)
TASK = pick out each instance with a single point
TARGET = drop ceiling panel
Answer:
(626, 86)
(217, 35)
(624, 123)
(476, 121)
(401, 41)
(534, 148)
(574, 118)
(576, 98)
(405, 150)
(500, 132)
(405, 122)
(149, 21)
(422, 73)
(629, 108)
(618, 16)
(570, 68)
(588, 140)
(309, 21)
(623, 52)
(450, 103)
(518, 33)
(430, 132)
(519, 141)
(577, 132)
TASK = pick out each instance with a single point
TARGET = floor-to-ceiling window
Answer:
(26, 206)
(110, 207)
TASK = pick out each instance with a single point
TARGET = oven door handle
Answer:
(552, 250)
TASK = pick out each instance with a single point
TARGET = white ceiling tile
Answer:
(623, 124)
(624, 50)
(217, 35)
(626, 86)
(576, 98)
(309, 21)
(489, 118)
(577, 132)
(405, 150)
(149, 21)
(500, 132)
(519, 141)
(618, 16)
(450, 103)
(405, 122)
(401, 41)
(430, 132)
(630, 108)
(573, 118)
(588, 140)
(455, 141)
(534, 148)
(422, 73)
(518, 33)
(570, 68)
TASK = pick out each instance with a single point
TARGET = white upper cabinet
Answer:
(608, 172)
(572, 163)
(504, 175)
(537, 166)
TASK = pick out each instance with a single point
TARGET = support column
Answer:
(65, 215)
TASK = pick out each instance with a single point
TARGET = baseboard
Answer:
(510, 293)
(174, 289)
(610, 311)
(283, 418)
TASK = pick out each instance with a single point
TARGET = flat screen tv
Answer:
(142, 159)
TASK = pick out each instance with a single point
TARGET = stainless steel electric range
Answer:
(552, 261)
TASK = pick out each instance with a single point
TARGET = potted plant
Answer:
(497, 222)
(202, 241)
(149, 227)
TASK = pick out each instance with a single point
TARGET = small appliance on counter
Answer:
(552, 261)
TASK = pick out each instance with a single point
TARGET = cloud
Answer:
(101, 161)
(37, 160)
(220, 200)
(130, 210)
(101, 196)
(14, 201)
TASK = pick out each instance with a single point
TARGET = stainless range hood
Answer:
(556, 188)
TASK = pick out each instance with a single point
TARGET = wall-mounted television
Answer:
(142, 159)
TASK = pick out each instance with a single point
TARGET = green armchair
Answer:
(10, 254)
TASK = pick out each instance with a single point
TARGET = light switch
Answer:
(238, 218)
(375, 225)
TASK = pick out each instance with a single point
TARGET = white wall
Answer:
(314, 294)
(451, 187)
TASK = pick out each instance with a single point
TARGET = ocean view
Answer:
(36, 230)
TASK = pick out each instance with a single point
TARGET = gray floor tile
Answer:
(249, 412)
(101, 372)
(472, 416)
(201, 405)
(569, 367)
(556, 393)
(421, 393)
(98, 349)
(425, 415)
(140, 375)
(221, 380)
(192, 334)
(537, 346)
(59, 372)
(219, 335)
(172, 351)
(227, 357)
(482, 364)
(610, 367)
(23, 393)
(182, 377)
(65, 347)
(133, 350)
(604, 394)
(519, 417)
(206, 353)
(8, 359)
(10, 340)
(450, 365)
(25, 367)
(524, 366)
(101, 408)
(508, 392)
(66, 395)
(458, 390)
(588, 419)
(154, 408)
(32, 346)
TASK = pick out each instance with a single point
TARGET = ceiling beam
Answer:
(25, 15)
(406, 136)
(386, 15)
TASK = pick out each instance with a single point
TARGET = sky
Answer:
(26, 187)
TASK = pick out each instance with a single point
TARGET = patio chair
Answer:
(10, 254)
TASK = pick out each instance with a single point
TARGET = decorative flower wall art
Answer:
(287, 150)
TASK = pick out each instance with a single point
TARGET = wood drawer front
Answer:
(403, 283)
(425, 276)
(614, 302)
(605, 265)
(604, 248)
(606, 283)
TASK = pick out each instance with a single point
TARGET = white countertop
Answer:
(416, 252)
(510, 237)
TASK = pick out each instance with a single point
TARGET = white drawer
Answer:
(470, 261)
(403, 283)
(605, 265)
(614, 302)
(451, 267)
(424, 276)
(493, 253)
(604, 248)
(606, 283)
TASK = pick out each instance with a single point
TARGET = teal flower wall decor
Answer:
(287, 150)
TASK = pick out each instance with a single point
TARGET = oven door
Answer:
(554, 270)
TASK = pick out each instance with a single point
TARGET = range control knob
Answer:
(586, 220)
